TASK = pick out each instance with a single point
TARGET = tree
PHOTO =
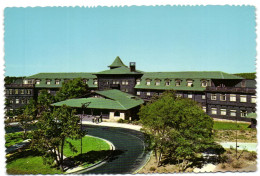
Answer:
(27, 115)
(178, 128)
(53, 130)
(75, 88)
(44, 101)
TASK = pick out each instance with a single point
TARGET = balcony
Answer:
(231, 89)
(19, 85)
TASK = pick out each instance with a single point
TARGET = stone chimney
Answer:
(132, 67)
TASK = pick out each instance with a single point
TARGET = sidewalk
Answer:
(114, 124)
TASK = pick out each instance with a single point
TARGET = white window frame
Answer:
(138, 81)
(189, 83)
(157, 82)
(243, 98)
(16, 91)
(177, 82)
(57, 81)
(215, 110)
(253, 99)
(233, 113)
(148, 93)
(167, 82)
(223, 111)
(190, 96)
(17, 101)
(37, 81)
(138, 93)
(203, 97)
(223, 97)
(148, 82)
(213, 96)
(29, 92)
(48, 81)
(22, 91)
(204, 83)
(243, 113)
(95, 82)
(233, 97)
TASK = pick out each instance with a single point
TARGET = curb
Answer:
(147, 160)
(112, 147)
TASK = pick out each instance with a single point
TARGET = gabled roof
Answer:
(61, 75)
(120, 70)
(115, 99)
(117, 63)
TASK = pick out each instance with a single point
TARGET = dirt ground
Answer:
(230, 135)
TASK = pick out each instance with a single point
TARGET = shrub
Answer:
(236, 164)
(120, 121)
(251, 156)
(223, 166)
(152, 168)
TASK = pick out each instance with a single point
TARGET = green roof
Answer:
(114, 99)
(117, 63)
(61, 76)
(120, 70)
(172, 76)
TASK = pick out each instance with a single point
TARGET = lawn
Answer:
(89, 144)
(28, 162)
(230, 126)
(13, 138)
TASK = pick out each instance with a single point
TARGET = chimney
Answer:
(132, 66)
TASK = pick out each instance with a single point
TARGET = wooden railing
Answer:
(231, 89)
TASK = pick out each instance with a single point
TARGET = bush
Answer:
(152, 168)
(120, 121)
(236, 164)
(251, 156)
(223, 166)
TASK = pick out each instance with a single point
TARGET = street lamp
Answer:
(83, 105)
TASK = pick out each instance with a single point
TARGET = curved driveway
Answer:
(129, 154)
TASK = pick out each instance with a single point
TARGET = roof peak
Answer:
(117, 63)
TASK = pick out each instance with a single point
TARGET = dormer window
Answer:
(167, 82)
(157, 82)
(189, 83)
(30, 81)
(177, 82)
(204, 83)
(48, 81)
(95, 81)
(37, 81)
(138, 81)
(148, 82)
(57, 81)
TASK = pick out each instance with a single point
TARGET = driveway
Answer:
(129, 154)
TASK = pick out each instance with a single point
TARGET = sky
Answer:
(160, 38)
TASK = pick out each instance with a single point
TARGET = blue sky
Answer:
(162, 38)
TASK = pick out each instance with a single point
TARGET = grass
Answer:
(30, 165)
(29, 162)
(230, 126)
(89, 144)
(13, 138)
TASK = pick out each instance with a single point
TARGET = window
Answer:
(189, 83)
(29, 81)
(10, 91)
(243, 98)
(189, 95)
(49, 91)
(29, 92)
(253, 99)
(123, 82)
(57, 81)
(148, 93)
(233, 113)
(23, 101)
(148, 82)
(222, 97)
(138, 93)
(213, 97)
(138, 81)
(11, 101)
(117, 113)
(223, 112)
(126, 82)
(95, 81)
(37, 81)
(213, 110)
(6, 91)
(167, 82)
(204, 83)
(243, 113)
(22, 91)
(48, 81)
(17, 101)
(233, 97)
(177, 82)
(203, 97)
(157, 82)
(178, 95)
(28, 101)
(126, 90)
(204, 108)
(16, 91)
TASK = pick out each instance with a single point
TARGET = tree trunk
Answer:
(61, 154)
(159, 161)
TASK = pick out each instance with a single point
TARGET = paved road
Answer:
(129, 154)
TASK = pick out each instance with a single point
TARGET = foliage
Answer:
(72, 89)
(178, 128)
(247, 75)
(53, 130)
(29, 114)
(11, 79)
(13, 138)
(44, 101)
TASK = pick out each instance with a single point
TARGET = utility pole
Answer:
(83, 106)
